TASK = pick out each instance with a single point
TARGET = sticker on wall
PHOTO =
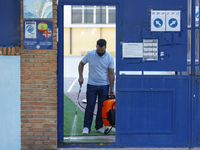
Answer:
(173, 21)
(30, 30)
(37, 34)
(157, 20)
(150, 50)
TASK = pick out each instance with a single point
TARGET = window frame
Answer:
(83, 8)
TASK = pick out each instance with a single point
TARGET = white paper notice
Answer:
(132, 50)
(30, 30)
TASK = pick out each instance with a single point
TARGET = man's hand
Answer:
(111, 76)
(112, 93)
(80, 80)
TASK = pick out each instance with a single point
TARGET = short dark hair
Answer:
(101, 42)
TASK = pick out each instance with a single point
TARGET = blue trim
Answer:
(119, 29)
(195, 104)
(192, 131)
(193, 38)
(60, 75)
(60, 80)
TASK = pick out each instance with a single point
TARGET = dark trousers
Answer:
(91, 96)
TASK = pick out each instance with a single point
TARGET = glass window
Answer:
(100, 14)
(93, 14)
(89, 14)
(76, 14)
(111, 14)
(103, 14)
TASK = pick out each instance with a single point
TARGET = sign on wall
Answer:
(37, 8)
(37, 34)
(197, 13)
(173, 21)
(132, 50)
(165, 20)
(157, 20)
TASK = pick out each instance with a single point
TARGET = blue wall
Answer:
(10, 130)
(10, 22)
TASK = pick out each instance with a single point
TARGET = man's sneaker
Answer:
(85, 130)
(101, 130)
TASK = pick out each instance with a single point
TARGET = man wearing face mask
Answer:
(100, 83)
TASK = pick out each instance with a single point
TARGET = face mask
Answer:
(101, 54)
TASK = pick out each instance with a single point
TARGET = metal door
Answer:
(196, 83)
(155, 109)
(155, 72)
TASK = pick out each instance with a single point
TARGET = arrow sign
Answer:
(173, 23)
(197, 15)
(158, 20)
(173, 20)
(158, 23)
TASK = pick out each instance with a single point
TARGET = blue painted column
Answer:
(10, 106)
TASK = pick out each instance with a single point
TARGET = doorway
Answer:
(152, 110)
(79, 34)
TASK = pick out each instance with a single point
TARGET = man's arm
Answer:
(80, 71)
(111, 75)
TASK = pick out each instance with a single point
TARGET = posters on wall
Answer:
(37, 34)
(37, 8)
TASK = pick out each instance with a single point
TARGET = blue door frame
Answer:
(152, 110)
(60, 89)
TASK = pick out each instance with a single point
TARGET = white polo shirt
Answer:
(98, 67)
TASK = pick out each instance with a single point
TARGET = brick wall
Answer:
(38, 92)
(9, 50)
